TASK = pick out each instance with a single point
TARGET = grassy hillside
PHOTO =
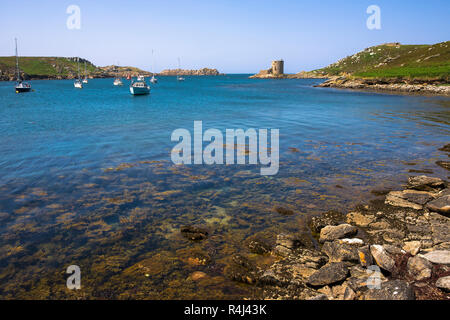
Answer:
(57, 68)
(396, 61)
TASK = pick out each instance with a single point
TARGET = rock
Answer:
(286, 243)
(194, 233)
(241, 270)
(419, 268)
(400, 199)
(284, 211)
(412, 247)
(329, 274)
(440, 205)
(445, 148)
(259, 247)
(359, 219)
(330, 233)
(443, 164)
(424, 183)
(438, 257)
(365, 257)
(443, 283)
(382, 258)
(391, 290)
(197, 275)
(330, 218)
(338, 251)
(321, 296)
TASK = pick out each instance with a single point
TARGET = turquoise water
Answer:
(86, 177)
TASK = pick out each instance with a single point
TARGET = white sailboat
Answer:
(179, 77)
(85, 80)
(153, 79)
(77, 83)
(20, 85)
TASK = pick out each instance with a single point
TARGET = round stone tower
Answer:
(277, 67)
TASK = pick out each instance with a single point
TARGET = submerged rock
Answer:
(284, 211)
(391, 290)
(330, 233)
(259, 247)
(194, 233)
(443, 164)
(329, 274)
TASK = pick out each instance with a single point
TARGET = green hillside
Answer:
(396, 61)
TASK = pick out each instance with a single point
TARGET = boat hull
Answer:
(20, 90)
(136, 91)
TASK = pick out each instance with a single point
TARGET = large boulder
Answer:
(391, 290)
(330, 233)
(424, 183)
(408, 199)
(342, 250)
(329, 274)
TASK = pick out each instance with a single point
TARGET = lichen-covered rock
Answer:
(382, 258)
(329, 274)
(391, 290)
(360, 219)
(419, 268)
(330, 233)
(365, 257)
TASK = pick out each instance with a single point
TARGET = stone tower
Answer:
(277, 67)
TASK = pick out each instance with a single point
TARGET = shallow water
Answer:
(86, 177)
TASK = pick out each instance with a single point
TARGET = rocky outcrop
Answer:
(182, 72)
(391, 85)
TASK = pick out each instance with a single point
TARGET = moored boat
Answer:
(118, 82)
(20, 85)
(139, 87)
(78, 83)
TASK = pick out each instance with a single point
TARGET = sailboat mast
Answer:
(78, 67)
(17, 62)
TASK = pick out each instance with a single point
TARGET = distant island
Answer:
(389, 67)
(33, 68)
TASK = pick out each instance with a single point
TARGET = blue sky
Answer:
(234, 36)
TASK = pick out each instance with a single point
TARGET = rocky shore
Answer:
(395, 248)
(392, 85)
(182, 72)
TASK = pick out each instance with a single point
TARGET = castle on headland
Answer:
(275, 71)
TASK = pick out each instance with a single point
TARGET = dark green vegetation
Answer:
(394, 60)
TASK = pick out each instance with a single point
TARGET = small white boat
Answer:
(139, 88)
(78, 84)
(140, 78)
(118, 82)
(85, 80)
(180, 78)
(153, 79)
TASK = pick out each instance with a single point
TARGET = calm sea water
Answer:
(86, 177)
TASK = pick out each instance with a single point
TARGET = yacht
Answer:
(85, 80)
(78, 83)
(153, 79)
(140, 78)
(118, 82)
(139, 87)
(20, 85)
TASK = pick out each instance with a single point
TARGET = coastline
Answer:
(404, 236)
(386, 86)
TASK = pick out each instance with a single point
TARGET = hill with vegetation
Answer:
(393, 60)
(59, 68)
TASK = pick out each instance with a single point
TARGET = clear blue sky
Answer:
(235, 36)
